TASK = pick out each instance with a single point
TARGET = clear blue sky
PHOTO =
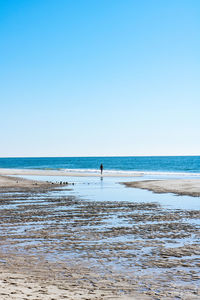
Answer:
(99, 77)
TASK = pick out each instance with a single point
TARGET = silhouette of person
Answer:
(101, 168)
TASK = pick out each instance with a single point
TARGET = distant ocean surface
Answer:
(154, 164)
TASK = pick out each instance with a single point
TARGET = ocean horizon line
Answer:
(99, 156)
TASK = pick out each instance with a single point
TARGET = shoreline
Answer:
(94, 173)
(32, 172)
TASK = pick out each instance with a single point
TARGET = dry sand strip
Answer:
(187, 187)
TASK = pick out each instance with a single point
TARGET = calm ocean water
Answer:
(155, 164)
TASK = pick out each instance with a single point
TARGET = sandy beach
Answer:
(188, 187)
(57, 246)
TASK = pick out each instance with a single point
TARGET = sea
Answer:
(177, 165)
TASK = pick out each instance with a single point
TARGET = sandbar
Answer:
(18, 182)
(187, 187)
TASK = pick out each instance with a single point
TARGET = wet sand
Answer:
(57, 246)
(31, 286)
(187, 187)
(29, 234)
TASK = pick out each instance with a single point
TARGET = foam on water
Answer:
(130, 173)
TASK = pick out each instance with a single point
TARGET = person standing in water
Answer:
(101, 168)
